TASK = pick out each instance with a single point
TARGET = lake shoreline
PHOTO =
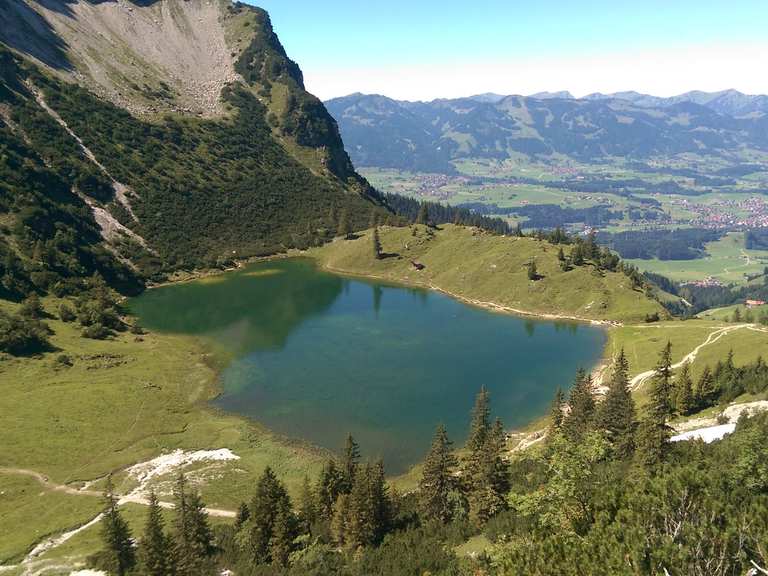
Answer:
(217, 362)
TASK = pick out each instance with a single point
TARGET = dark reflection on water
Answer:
(317, 356)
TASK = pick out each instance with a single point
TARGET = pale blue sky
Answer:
(426, 49)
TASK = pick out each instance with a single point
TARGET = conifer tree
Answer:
(350, 464)
(381, 504)
(479, 427)
(653, 432)
(192, 539)
(616, 414)
(706, 390)
(582, 407)
(423, 215)
(561, 254)
(330, 485)
(485, 470)
(340, 519)
(663, 376)
(376, 243)
(498, 470)
(269, 501)
(556, 412)
(684, 401)
(283, 534)
(344, 229)
(367, 507)
(438, 480)
(533, 273)
(373, 219)
(119, 557)
(360, 521)
(243, 513)
(155, 553)
(307, 508)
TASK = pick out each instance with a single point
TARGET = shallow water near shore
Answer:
(315, 355)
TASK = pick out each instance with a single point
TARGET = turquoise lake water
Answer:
(317, 356)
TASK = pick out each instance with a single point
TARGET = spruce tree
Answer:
(307, 507)
(360, 522)
(269, 501)
(329, 486)
(381, 504)
(350, 464)
(653, 432)
(376, 243)
(155, 552)
(340, 519)
(556, 412)
(367, 518)
(118, 555)
(423, 215)
(663, 376)
(684, 401)
(438, 480)
(192, 538)
(480, 424)
(582, 407)
(243, 513)
(283, 535)
(533, 273)
(485, 470)
(706, 389)
(616, 414)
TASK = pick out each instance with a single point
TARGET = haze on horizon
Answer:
(430, 49)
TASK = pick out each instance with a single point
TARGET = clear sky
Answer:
(425, 49)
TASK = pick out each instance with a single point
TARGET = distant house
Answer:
(753, 303)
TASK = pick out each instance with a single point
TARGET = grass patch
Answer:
(123, 401)
(34, 512)
(483, 267)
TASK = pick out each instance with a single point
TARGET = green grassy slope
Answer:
(482, 267)
(123, 401)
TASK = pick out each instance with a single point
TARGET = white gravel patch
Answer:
(709, 434)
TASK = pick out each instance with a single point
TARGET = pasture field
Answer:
(121, 401)
(727, 260)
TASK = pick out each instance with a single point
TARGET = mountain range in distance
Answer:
(731, 102)
(429, 136)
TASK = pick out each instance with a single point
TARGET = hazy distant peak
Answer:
(488, 97)
(551, 95)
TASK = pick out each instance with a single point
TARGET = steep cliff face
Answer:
(181, 126)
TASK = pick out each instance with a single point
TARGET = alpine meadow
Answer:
(475, 291)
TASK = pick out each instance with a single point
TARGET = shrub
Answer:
(96, 332)
(66, 314)
(22, 335)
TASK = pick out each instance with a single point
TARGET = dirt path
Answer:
(143, 473)
(713, 337)
(46, 482)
